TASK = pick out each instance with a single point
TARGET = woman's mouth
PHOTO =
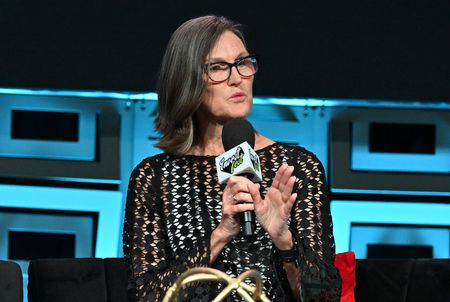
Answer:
(238, 97)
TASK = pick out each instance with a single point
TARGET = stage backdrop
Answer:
(394, 50)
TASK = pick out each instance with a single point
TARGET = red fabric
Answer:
(346, 264)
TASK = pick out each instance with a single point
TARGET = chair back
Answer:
(77, 279)
(11, 282)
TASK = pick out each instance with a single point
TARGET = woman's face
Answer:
(231, 98)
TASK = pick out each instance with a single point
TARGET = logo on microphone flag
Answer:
(255, 160)
(240, 160)
(230, 164)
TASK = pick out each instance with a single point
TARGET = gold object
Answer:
(248, 292)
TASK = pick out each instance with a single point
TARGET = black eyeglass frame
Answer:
(231, 65)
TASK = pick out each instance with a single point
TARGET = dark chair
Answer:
(105, 280)
(411, 280)
(77, 280)
(11, 288)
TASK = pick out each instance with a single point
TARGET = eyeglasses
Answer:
(221, 71)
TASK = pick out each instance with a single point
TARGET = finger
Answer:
(241, 207)
(242, 197)
(231, 196)
(238, 184)
(290, 203)
(285, 176)
(253, 190)
(287, 190)
(235, 179)
(278, 175)
(292, 199)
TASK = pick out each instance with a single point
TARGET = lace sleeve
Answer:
(311, 226)
(152, 267)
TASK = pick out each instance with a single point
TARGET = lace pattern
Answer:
(174, 204)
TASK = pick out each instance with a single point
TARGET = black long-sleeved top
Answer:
(174, 204)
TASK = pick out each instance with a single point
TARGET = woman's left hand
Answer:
(273, 211)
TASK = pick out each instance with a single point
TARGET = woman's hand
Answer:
(236, 199)
(273, 211)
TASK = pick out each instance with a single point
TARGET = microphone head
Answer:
(237, 131)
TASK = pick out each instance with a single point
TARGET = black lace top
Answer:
(174, 204)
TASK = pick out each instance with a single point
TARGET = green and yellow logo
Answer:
(233, 162)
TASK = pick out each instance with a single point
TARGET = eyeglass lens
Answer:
(221, 71)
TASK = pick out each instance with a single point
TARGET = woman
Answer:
(178, 216)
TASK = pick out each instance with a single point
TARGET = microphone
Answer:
(238, 138)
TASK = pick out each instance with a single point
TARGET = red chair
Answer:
(346, 264)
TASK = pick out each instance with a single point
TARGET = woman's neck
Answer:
(212, 144)
(208, 141)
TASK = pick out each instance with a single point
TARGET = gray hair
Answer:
(181, 82)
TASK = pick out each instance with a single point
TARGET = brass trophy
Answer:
(247, 292)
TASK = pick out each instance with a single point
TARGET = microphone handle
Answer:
(248, 223)
(247, 217)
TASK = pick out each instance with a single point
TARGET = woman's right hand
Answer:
(236, 199)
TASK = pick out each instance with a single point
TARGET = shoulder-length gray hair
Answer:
(181, 83)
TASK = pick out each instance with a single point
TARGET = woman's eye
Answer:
(218, 67)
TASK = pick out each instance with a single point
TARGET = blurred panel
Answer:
(417, 162)
(399, 241)
(66, 207)
(47, 128)
(359, 223)
(59, 138)
(401, 142)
